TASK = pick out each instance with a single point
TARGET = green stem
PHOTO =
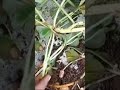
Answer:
(39, 14)
(55, 18)
(39, 23)
(51, 46)
(64, 11)
(46, 57)
(56, 52)
(64, 18)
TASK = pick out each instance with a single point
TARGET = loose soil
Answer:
(70, 75)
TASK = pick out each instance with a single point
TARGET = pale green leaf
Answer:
(72, 55)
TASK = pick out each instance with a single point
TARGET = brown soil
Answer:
(71, 74)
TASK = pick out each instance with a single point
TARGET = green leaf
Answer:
(94, 69)
(43, 31)
(95, 39)
(76, 42)
(72, 55)
(66, 37)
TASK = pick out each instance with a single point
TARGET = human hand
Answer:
(43, 83)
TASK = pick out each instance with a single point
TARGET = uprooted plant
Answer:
(69, 35)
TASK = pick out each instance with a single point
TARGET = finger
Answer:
(43, 83)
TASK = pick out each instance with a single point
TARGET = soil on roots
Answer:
(70, 75)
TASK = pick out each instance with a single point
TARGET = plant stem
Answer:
(71, 39)
(63, 31)
(77, 24)
(90, 51)
(64, 18)
(100, 80)
(51, 46)
(57, 52)
(64, 11)
(39, 23)
(38, 72)
(46, 57)
(98, 23)
(39, 14)
(114, 71)
(71, 42)
(55, 18)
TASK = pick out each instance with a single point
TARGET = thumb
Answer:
(43, 83)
